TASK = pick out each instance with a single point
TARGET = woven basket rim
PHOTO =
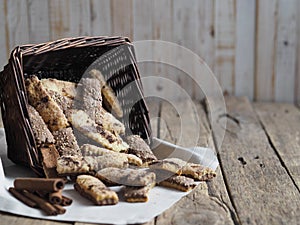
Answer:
(68, 42)
(72, 39)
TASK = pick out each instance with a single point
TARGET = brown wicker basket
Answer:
(67, 59)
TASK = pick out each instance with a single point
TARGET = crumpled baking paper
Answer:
(82, 210)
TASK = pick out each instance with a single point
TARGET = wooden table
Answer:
(258, 181)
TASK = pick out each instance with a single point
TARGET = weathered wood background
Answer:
(252, 46)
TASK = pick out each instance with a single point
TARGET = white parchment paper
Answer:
(83, 210)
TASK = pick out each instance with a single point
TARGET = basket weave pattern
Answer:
(67, 59)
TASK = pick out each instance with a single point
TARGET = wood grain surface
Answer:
(265, 49)
(38, 21)
(282, 124)
(198, 207)
(3, 38)
(245, 48)
(286, 51)
(225, 19)
(253, 173)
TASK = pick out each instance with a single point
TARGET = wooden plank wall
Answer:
(253, 47)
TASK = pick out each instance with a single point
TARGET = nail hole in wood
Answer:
(212, 31)
(243, 162)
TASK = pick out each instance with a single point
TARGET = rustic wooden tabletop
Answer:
(258, 181)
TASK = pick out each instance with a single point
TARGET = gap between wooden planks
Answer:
(282, 125)
(259, 185)
(207, 204)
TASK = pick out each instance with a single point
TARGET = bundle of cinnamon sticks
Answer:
(42, 193)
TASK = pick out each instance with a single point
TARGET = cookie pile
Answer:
(78, 138)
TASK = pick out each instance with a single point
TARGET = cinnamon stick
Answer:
(39, 184)
(59, 209)
(52, 197)
(55, 197)
(66, 201)
(42, 194)
(42, 203)
(18, 195)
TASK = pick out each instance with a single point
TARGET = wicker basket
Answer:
(67, 59)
